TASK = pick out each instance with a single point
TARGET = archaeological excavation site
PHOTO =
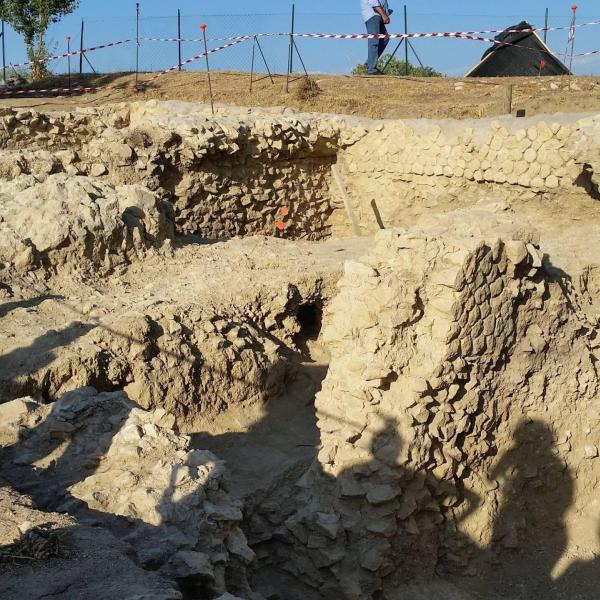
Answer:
(264, 354)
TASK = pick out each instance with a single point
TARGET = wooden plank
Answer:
(338, 179)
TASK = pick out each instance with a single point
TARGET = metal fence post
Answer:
(3, 55)
(406, 43)
(252, 67)
(291, 53)
(69, 58)
(212, 102)
(546, 27)
(179, 35)
(81, 50)
(574, 11)
(137, 43)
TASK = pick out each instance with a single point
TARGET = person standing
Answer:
(376, 15)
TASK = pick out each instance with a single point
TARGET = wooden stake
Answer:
(210, 91)
(347, 205)
(507, 99)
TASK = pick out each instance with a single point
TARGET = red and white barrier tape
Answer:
(82, 90)
(587, 53)
(447, 35)
(199, 40)
(67, 54)
(199, 56)
(85, 90)
(524, 29)
(391, 36)
(354, 36)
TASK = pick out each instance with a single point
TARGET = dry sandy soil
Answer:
(381, 97)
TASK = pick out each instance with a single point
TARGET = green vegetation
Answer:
(398, 67)
(31, 18)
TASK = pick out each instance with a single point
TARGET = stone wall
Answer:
(452, 417)
(241, 171)
(402, 170)
(100, 456)
(224, 175)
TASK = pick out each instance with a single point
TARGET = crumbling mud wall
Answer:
(77, 225)
(403, 170)
(455, 414)
(101, 456)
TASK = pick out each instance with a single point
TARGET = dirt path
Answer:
(384, 97)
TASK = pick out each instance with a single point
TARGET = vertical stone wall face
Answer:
(408, 168)
(225, 199)
(443, 347)
(233, 173)
(225, 175)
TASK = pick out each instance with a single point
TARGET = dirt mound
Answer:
(382, 97)
(93, 562)
(132, 471)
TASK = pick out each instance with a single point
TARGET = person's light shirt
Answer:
(368, 8)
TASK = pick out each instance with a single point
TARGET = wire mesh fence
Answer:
(154, 44)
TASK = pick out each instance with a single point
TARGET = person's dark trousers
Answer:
(376, 46)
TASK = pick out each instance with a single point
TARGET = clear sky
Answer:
(111, 20)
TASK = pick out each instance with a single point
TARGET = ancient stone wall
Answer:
(403, 170)
(225, 176)
(101, 456)
(77, 225)
(457, 363)
(242, 172)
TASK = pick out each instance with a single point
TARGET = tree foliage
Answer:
(398, 67)
(31, 18)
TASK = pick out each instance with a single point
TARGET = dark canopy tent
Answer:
(519, 54)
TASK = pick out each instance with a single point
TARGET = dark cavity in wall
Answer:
(310, 319)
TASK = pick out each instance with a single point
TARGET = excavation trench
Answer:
(200, 359)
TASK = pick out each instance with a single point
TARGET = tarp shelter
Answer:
(521, 54)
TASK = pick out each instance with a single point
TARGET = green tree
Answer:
(397, 67)
(31, 18)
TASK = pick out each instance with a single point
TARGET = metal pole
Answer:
(81, 50)
(415, 53)
(252, 67)
(212, 104)
(137, 44)
(389, 60)
(406, 44)
(179, 35)
(3, 55)
(574, 9)
(264, 59)
(546, 27)
(507, 98)
(69, 58)
(291, 50)
(87, 60)
(300, 57)
(293, 41)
